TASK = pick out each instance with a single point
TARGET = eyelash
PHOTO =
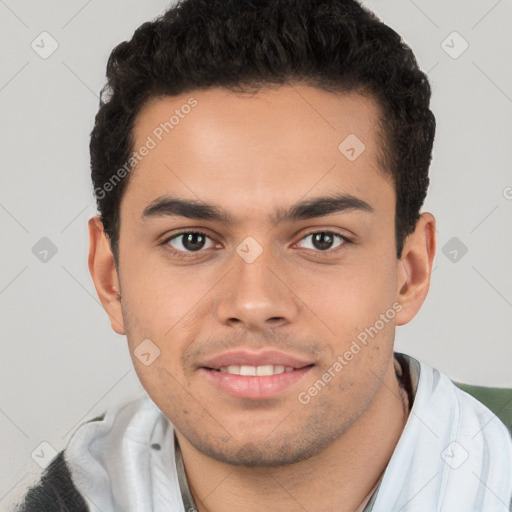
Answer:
(182, 254)
(190, 254)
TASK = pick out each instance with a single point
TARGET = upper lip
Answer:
(251, 358)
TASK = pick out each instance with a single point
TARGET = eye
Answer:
(323, 241)
(192, 241)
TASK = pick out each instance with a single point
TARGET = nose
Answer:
(256, 295)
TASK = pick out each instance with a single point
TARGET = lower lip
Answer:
(254, 387)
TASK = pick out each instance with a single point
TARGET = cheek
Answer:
(167, 309)
(348, 298)
(158, 300)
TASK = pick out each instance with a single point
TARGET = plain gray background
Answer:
(60, 361)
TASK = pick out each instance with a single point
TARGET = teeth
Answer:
(247, 370)
(265, 370)
(260, 371)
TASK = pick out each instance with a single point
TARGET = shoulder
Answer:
(55, 491)
(479, 405)
(497, 400)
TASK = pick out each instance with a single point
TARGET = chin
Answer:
(280, 451)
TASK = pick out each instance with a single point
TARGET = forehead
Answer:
(276, 145)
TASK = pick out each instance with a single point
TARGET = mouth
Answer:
(259, 371)
(254, 376)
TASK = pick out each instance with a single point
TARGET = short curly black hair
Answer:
(335, 45)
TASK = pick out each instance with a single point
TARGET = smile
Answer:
(254, 375)
(260, 371)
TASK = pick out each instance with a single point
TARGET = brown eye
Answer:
(323, 241)
(190, 242)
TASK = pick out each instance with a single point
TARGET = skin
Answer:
(251, 155)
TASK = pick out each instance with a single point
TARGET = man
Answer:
(260, 169)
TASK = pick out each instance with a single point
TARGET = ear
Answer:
(104, 274)
(415, 267)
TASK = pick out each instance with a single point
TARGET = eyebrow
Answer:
(167, 206)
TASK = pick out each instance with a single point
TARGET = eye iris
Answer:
(323, 241)
(193, 241)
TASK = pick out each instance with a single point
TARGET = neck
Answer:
(339, 478)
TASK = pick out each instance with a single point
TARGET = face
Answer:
(255, 252)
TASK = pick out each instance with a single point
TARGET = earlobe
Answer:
(415, 268)
(104, 274)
